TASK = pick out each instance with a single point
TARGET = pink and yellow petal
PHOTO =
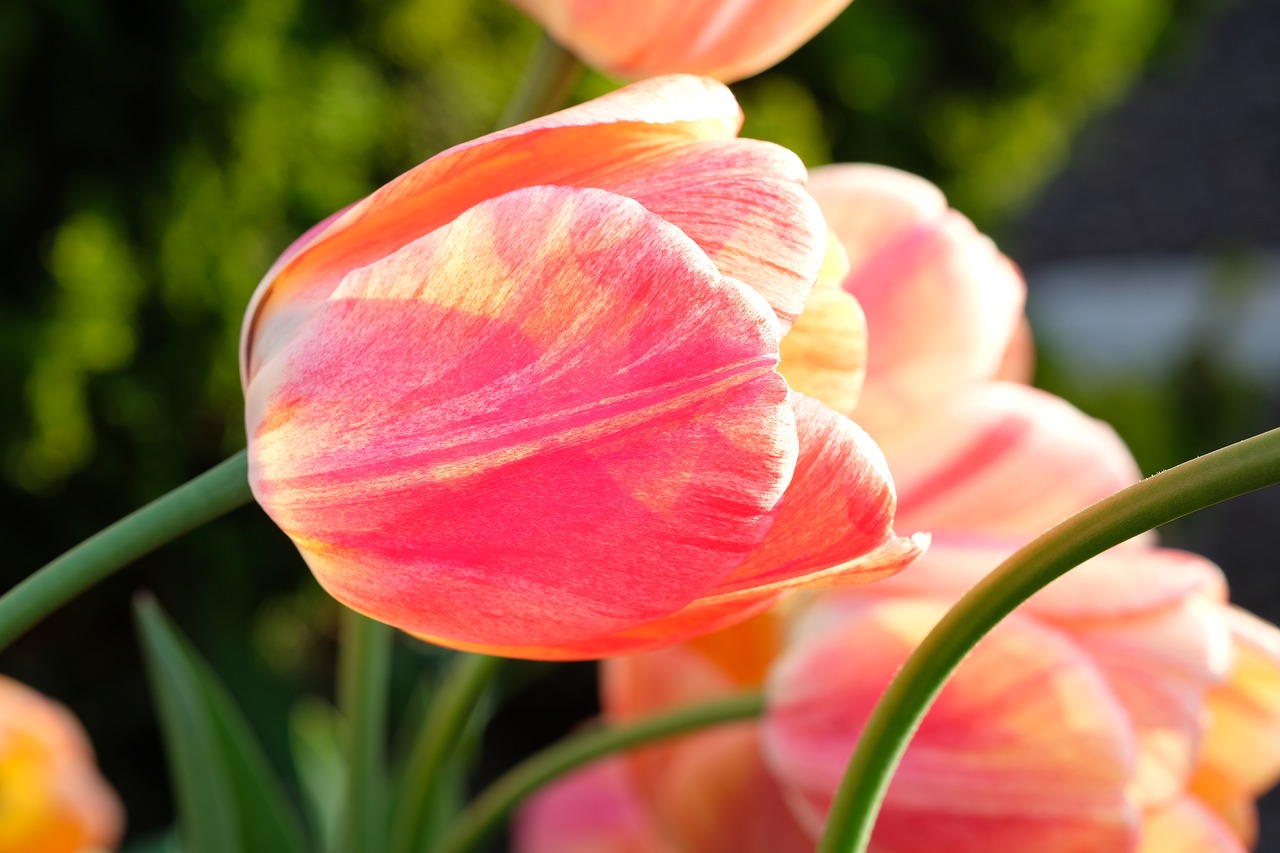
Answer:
(1117, 584)
(727, 41)
(1243, 739)
(824, 354)
(942, 304)
(552, 347)
(1160, 665)
(743, 202)
(662, 141)
(1000, 459)
(710, 790)
(594, 810)
(1025, 742)
(1186, 826)
(694, 620)
(837, 513)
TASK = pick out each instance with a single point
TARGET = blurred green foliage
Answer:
(157, 156)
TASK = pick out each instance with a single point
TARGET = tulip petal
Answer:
(552, 348)
(571, 148)
(1003, 459)
(727, 41)
(743, 202)
(1160, 665)
(1186, 826)
(695, 620)
(1243, 741)
(1025, 748)
(835, 522)
(1122, 582)
(824, 354)
(594, 810)
(942, 303)
(710, 790)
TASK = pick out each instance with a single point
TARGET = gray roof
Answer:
(1189, 161)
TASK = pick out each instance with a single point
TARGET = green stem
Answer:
(1191, 486)
(546, 84)
(364, 670)
(197, 502)
(487, 812)
(461, 690)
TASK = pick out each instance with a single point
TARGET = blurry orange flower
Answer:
(724, 39)
(52, 798)
(524, 398)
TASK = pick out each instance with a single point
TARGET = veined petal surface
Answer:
(942, 303)
(1002, 459)
(1025, 748)
(838, 508)
(490, 435)
(667, 142)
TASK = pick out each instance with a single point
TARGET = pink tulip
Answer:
(52, 798)
(1077, 715)
(524, 398)
(724, 39)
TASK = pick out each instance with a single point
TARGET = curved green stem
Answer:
(461, 690)
(1226, 473)
(197, 502)
(546, 84)
(364, 670)
(489, 809)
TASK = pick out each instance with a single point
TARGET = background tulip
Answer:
(721, 39)
(54, 800)
(523, 399)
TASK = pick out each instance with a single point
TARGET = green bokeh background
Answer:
(156, 156)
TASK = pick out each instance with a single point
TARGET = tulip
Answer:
(1127, 706)
(52, 798)
(524, 398)
(717, 38)
(1078, 718)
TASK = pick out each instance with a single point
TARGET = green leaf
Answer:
(164, 841)
(316, 744)
(229, 798)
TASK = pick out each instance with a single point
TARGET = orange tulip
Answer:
(52, 798)
(524, 398)
(724, 39)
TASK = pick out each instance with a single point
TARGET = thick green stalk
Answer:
(495, 803)
(547, 81)
(364, 672)
(197, 502)
(450, 711)
(1226, 473)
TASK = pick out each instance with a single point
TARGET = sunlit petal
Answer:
(550, 348)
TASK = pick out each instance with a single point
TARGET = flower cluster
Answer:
(1125, 707)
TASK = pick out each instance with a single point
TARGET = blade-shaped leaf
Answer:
(214, 753)
(315, 742)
